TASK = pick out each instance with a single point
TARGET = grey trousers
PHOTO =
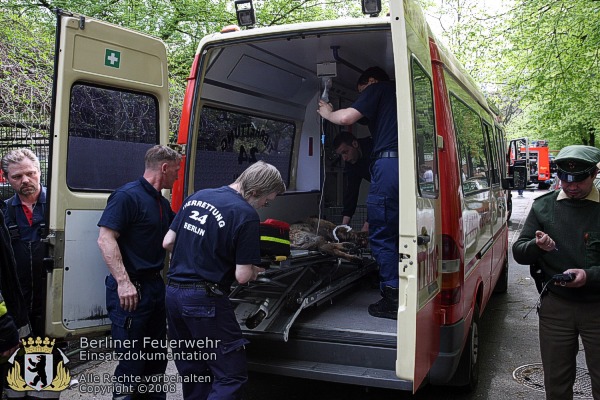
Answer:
(561, 323)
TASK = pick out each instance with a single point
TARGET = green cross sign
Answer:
(112, 58)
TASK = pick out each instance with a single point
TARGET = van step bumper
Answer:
(353, 375)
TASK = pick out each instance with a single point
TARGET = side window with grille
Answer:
(230, 141)
(110, 131)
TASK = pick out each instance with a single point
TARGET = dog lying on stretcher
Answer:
(336, 240)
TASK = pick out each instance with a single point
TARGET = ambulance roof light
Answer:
(371, 7)
(244, 10)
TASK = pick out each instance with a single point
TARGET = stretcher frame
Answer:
(288, 287)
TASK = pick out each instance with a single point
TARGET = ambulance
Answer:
(252, 94)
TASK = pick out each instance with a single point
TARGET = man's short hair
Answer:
(16, 156)
(343, 138)
(260, 179)
(373, 72)
(159, 154)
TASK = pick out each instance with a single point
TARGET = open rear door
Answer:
(418, 337)
(110, 105)
(518, 154)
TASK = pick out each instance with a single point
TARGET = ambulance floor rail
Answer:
(270, 305)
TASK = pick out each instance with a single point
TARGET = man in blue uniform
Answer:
(25, 219)
(215, 241)
(132, 228)
(356, 154)
(377, 105)
(26, 222)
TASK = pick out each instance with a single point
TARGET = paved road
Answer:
(508, 341)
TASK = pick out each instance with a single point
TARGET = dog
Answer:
(336, 240)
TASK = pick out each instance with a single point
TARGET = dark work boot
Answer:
(387, 307)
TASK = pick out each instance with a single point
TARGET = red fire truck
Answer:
(535, 154)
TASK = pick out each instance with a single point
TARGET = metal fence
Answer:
(15, 135)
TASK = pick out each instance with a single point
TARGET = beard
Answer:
(27, 190)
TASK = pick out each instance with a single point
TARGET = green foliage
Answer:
(277, 12)
(537, 60)
(555, 67)
(25, 69)
(27, 38)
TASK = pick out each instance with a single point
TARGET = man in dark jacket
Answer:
(25, 218)
(356, 154)
(13, 311)
(132, 227)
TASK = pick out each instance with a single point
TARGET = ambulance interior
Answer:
(275, 86)
(259, 101)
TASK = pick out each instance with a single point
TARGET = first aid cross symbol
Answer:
(112, 58)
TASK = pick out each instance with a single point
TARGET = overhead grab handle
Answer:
(341, 60)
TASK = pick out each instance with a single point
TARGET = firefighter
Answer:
(215, 240)
(25, 219)
(356, 154)
(132, 228)
(376, 105)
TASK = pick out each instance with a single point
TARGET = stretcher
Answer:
(270, 305)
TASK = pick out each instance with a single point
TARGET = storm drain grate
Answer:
(532, 376)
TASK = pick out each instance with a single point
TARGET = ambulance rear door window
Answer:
(110, 131)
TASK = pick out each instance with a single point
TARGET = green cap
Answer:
(575, 163)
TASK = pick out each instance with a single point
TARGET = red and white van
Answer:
(252, 95)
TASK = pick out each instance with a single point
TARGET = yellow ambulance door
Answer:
(110, 106)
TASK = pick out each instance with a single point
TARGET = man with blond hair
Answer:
(215, 241)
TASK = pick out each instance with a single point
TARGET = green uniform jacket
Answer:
(575, 227)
